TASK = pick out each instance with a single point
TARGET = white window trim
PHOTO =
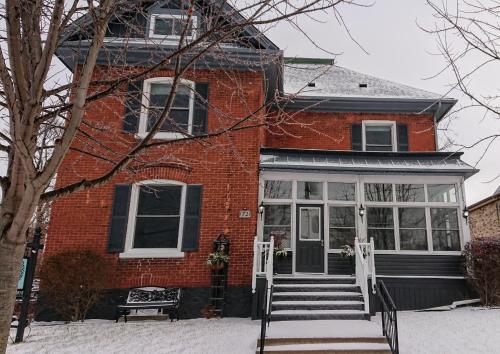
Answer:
(152, 22)
(145, 106)
(380, 123)
(129, 251)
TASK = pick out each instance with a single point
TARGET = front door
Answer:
(309, 244)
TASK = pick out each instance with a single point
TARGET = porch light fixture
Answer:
(465, 214)
(361, 210)
(261, 209)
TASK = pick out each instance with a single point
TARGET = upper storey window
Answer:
(168, 26)
(180, 120)
(377, 135)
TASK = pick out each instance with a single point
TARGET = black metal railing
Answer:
(265, 317)
(389, 317)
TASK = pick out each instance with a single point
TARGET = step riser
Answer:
(284, 288)
(304, 317)
(300, 297)
(287, 341)
(277, 306)
(314, 281)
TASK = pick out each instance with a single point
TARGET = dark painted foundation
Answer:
(193, 300)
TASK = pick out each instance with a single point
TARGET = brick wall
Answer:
(485, 220)
(227, 166)
(332, 131)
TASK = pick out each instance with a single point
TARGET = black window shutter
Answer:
(119, 218)
(356, 138)
(200, 114)
(133, 104)
(402, 137)
(192, 214)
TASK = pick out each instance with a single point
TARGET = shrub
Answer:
(73, 282)
(482, 269)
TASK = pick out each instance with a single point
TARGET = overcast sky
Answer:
(400, 51)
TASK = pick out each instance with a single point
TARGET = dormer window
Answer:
(168, 26)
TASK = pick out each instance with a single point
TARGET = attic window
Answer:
(167, 26)
(363, 85)
(311, 84)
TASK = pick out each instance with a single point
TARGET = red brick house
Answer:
(358, 159)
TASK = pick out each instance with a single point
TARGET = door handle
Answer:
(322, 243)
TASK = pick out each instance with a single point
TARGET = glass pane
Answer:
(178, 120)
(380, 217)
(179, 25)
(277, 215)
(378, 192)
(340, 237)
(378, 138)
(445, 240)
(444, 193)
(444, 218)
(159, 200)
(341, 191)
(383, 238)
(163, 26)
(282, 235)
(310, 226)
(153, 232)
(278, 189)
(413, 218)
(159, 93)
(342, 216)
(310, 190)
(413, 239)
(410, 193)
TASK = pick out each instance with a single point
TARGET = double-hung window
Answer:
(171, 26)
(179, 122)
(156, 219)
(379, 136)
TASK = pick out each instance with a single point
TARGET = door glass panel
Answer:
(342, 226)
(310, 224)
(310, 190)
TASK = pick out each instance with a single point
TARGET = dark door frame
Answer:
(310, 251)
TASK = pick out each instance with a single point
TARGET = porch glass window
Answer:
(342, 226)
(378, 138)
(278, 189)
(310, 190)
(445, 230)
(341, 191)
(412, 229)
(381, 227)
(378, 192)
(158, 216)
(410, 193)
(443, 193)
(277, 223)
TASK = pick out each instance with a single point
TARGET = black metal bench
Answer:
(165, 300)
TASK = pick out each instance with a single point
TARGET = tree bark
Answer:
(11, 255)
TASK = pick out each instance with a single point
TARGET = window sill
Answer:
(163, 136)
(152, 253)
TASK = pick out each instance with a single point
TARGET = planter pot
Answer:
(218, 266)
(352, 264)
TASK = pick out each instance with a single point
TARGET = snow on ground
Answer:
(471, 330)
(466, 330)
(227, 336)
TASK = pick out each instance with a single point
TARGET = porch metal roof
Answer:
(292, 160)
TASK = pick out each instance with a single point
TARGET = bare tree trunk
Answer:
(10, 254)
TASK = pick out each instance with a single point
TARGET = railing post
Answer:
(254, 268)
(372, 265)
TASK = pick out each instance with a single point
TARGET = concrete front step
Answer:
(300, 315)
(312, 340)
(315, 288)
(317, 296)
(313, 280)
(330, 348)
(318, 305)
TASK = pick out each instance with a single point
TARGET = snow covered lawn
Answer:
(461, 331)
(467, 330)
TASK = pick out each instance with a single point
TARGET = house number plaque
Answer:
(244, 214)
